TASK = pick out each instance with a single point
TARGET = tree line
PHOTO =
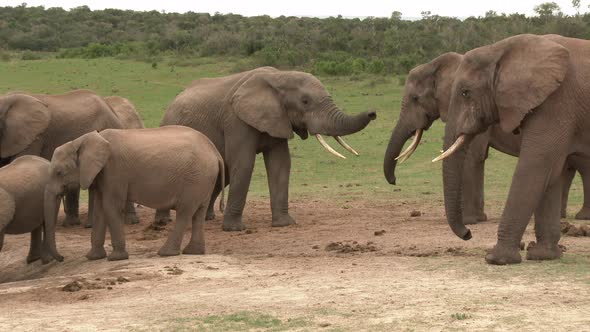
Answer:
(335, 45)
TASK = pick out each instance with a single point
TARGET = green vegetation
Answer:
(460, 316)
(329, 46)
(315, 173)
(240, 321)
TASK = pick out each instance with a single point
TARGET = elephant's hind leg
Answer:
(162, 217)
(547, 229)
(584, 213)
(36, 247)
(130, 214)
(172, 245)
(568, 176)
(196, 245)
(71, 205)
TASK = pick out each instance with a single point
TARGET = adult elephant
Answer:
(35, 124)
(258, 111)
(426, 98)
(539, 86)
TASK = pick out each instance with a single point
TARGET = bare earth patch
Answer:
(369, 266)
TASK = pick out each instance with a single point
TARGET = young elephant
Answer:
(22, 184)
(172, 167)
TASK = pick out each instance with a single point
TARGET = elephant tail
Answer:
(222, 183)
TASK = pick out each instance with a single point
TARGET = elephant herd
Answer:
(527, 96)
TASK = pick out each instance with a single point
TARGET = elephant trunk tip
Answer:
(466, 234)
(391, 179)
(372, 115)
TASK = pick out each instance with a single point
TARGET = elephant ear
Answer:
(93, 154)
(530, 69)
(257, 103)
(444, 74)
(7, 208)
(25, 118)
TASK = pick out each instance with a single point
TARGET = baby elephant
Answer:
(22, 186)
(168, 167)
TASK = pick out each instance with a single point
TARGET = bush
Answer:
(4, 56)
(29, 55)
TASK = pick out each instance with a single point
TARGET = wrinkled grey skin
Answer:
(426, 98)
(22, 186)
(172, 167)
(34, 124)
(540, 86)
(258, 111)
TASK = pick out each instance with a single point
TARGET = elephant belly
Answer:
(22, 226)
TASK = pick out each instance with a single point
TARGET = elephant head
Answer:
(426, 98)
(282, 102)
(23, 118)
(76, 163)
(499, 83)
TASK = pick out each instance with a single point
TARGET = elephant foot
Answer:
(194, 248)
(96, 253)
(162, 218)
(71, 221)
(475, 219)
(543, 252)
(33, 257)
(46, 258)
(88, 225)
(131, 219)
(503, 256)
(167, 251)
(233, 223)
(210, 215)
(584, 214)
(282, 221)
(118, 255)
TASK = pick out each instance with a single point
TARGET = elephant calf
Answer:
(22, 184)
(172, 167)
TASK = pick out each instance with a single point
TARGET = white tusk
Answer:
(451, 150)
(408, 152)
(327, 147)
(346, 146)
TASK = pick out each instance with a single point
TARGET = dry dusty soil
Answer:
(359, 266)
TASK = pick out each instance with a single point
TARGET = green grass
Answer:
(315, 173)
(240, 321)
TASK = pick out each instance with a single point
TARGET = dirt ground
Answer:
(355, 266)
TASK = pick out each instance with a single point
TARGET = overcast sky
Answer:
(320, 8)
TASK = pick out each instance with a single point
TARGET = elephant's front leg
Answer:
(114, 211)
(36, 246)
(535, 173)
(278, 167)
(547, 228)
(241, 156)
(99, 227)
(71, 205)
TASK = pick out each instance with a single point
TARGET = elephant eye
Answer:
(59, 173)
(415, 98)
(305, 101)
(465, 93)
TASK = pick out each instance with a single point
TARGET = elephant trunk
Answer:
(51, 206)
(342, 124)
(452, 184)
(399, 136)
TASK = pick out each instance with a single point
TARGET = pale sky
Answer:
(347, 8)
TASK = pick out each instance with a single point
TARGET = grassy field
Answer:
(315, 173)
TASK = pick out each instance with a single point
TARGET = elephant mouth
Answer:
(301, 132)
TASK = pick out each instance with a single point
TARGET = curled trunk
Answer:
(51, 206)
(453, 185)
(331, 121)
(399, 136)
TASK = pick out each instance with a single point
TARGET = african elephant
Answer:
(37, 124)
(258, 111)
(537, 85)
(172, 167)
(22, 184)
(426, 98)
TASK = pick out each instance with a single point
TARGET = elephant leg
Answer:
(90, 220)
(278, 167)
(216, 191)
(99, 227)
(114, 212)
(172, 245)
(196, 245)
(71, 203)
(567, 178)
(584, 213)
(473, 189)
(36, 246)
(162, 217)
(241, 156)
(130, 214)
(535, 172)
(1, 239)
(547, 228)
